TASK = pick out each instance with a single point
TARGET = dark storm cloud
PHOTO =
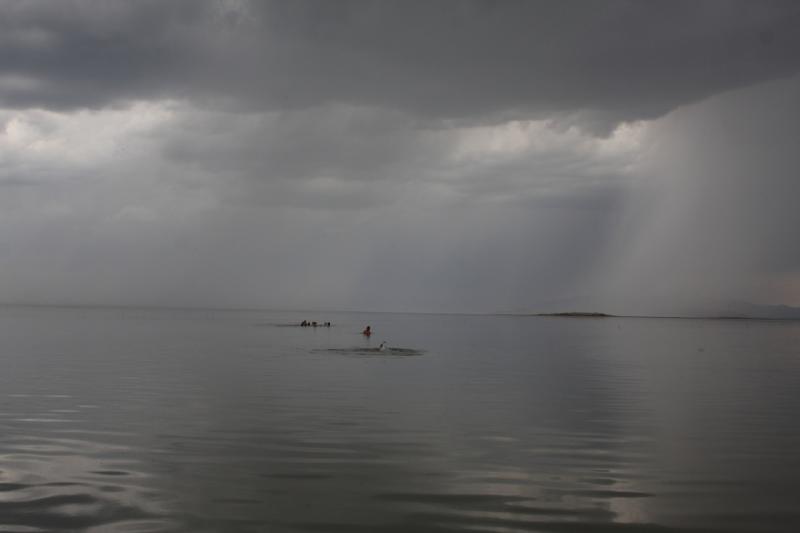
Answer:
(399, 155)
(594, 63)
(87, 54)
(340, 141)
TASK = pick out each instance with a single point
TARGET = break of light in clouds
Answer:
(460, 156)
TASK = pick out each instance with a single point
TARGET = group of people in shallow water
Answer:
(314, 324)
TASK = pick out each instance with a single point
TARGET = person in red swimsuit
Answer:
(367, 331)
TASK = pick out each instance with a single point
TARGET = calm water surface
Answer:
(143, 420)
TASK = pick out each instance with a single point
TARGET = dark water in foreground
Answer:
(141, 420)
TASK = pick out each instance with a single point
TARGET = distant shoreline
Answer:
(580, 314)
(574, 314)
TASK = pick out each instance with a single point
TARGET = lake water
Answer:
(156, 420)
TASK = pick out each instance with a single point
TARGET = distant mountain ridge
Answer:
(730, 310)
(750, 310)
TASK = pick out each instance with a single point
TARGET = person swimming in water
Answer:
(367, 331)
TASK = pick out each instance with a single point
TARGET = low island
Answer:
(576, 314)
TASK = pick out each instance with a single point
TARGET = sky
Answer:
(452, 156)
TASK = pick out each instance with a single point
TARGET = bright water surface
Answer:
(143, 420)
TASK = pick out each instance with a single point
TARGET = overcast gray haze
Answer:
(629, 157)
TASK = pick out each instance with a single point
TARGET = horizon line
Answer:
(598, 315)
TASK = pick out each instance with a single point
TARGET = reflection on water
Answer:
(142, 420)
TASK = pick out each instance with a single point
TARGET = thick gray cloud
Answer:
(591, 62)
